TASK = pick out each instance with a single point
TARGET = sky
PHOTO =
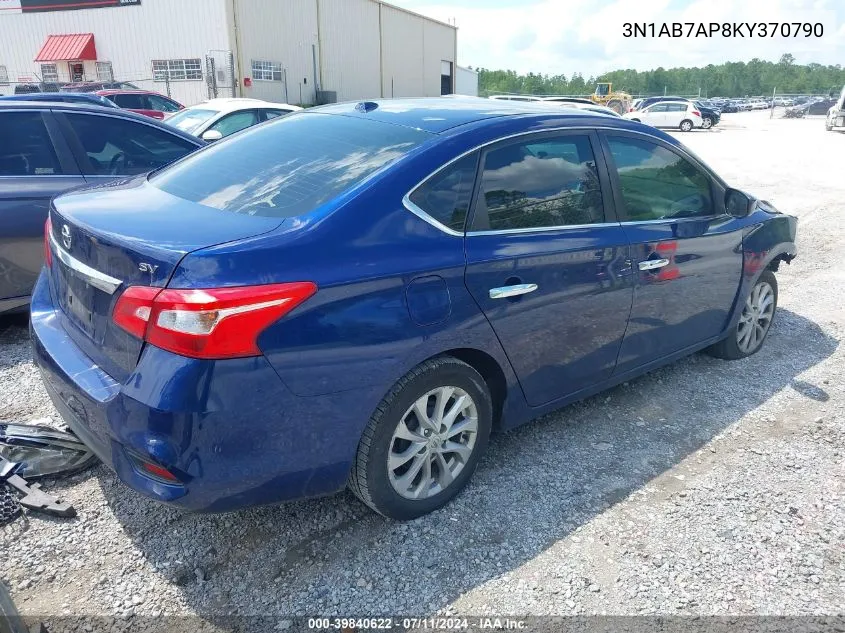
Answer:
(586, 36)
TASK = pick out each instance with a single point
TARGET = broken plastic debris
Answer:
(42, 451)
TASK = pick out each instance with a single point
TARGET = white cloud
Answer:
(555, 36)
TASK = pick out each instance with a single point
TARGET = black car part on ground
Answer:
(42, 451)
(33, 497)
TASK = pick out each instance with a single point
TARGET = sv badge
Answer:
(144, 267)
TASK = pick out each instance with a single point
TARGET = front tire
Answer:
(686, 125)
(752, 328)
(424, 440)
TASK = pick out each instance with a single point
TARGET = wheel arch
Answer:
(493, 375)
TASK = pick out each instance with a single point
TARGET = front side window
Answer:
(25, 146)
(266, 71)
(546, 182)
(291, 167)
(235, 122)
(657, 183)
(446, 195)
(49, 72)
(120, 147)
(660, 107)
(274, 113)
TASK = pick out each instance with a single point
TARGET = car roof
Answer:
(120, 91)
(438, 114)
(232, 104)
(90, 108)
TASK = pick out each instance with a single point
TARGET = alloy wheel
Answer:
(707, 123)
(756, 318)
(432, 442)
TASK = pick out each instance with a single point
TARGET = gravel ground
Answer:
(707, 487)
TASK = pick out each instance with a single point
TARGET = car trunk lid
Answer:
(104, 241)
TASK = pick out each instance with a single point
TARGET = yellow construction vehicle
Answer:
(618, 101)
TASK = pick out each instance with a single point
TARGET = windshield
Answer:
(191, 119)
(289, 166)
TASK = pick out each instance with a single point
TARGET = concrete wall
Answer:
(129, 37)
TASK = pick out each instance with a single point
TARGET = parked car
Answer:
(681, 115)
(647, 101)
(710, 115)
(31, 88)
(324, 301)
(146, 102)
(48, 148)
(217, 118)
(729, 107)
(567, 100)
(593, 107)
(94, 86)
(515, 98)
(63, 97)
(821, 107)
(835, 118)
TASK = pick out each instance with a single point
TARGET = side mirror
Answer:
(212, 135)
(738, 204)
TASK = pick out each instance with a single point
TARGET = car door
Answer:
(547, 261)
(687, 252)
(35, 165)
(108, 147)
(655, 115)
(235, 122)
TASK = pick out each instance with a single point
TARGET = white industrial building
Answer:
(297, 51)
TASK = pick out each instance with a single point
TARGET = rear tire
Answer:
(686, 125)
(412, 459)
(752, 328)
(707, 123)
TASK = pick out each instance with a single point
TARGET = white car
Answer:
(217, 118)
(514, 98)
(681, 115)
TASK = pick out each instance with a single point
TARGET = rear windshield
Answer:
(290, 166)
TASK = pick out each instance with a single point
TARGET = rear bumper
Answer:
(230, 430)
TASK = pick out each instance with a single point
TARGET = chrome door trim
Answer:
(91, 276)
(651, 264)
(504, 292)
(417, 211)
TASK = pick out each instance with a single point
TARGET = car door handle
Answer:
(651, 264)
(512, 291)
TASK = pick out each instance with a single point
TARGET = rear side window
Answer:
(131, 101)
(657, 183)
(25, 146)
(289, 166)
(120, 147)
(161, 104)
(446, 195)
(536, 184)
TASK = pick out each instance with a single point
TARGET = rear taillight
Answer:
(48, 252)
(696, 113)
(209, 322)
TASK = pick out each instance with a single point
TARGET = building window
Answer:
(266, 71)
(49, 73)
(4, 75)
(104, 71)
(177, 70)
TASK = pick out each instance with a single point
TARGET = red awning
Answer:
(60, 48)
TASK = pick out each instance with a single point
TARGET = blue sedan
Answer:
(358, 295)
